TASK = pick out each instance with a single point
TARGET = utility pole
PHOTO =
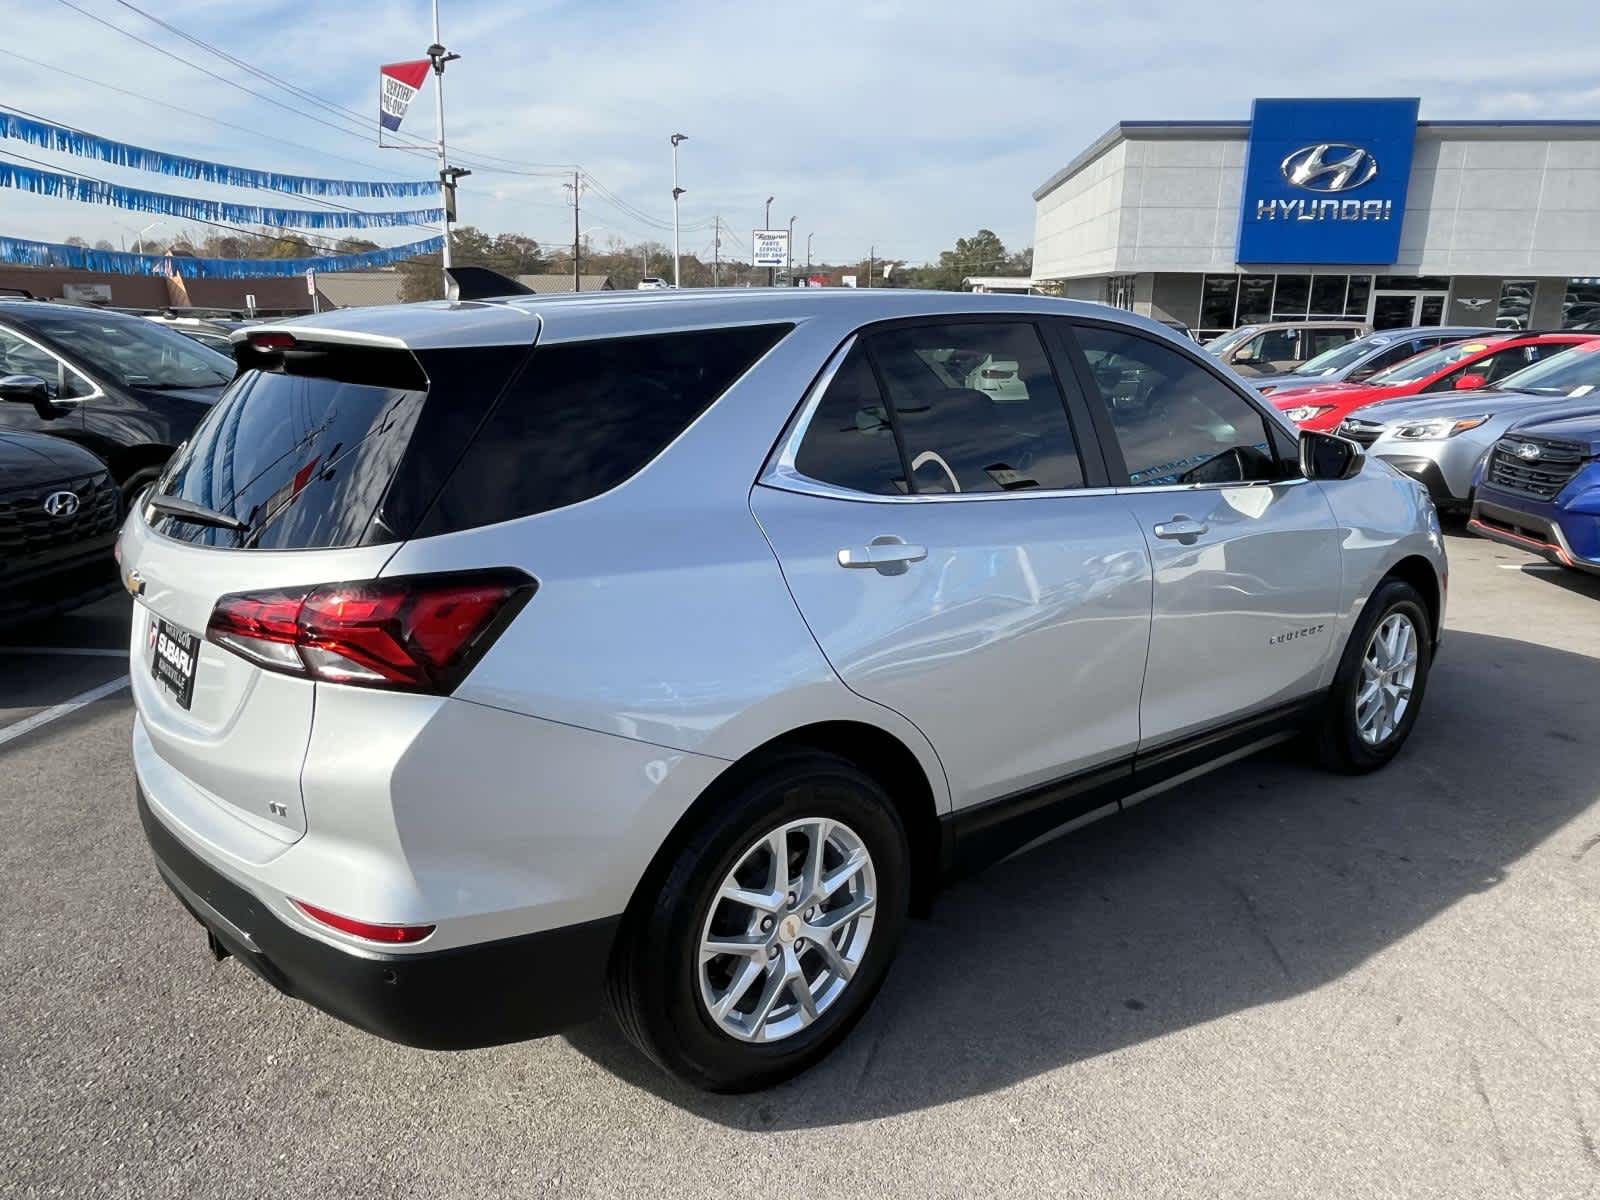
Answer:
(809, 236)
(448, 175)
(872, 255)
(766, 223)
(716, 252)
(676, 192)
(788, 270)
(574, 187)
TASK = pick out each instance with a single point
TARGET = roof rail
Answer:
(480, 283)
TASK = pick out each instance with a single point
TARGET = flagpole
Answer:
(436, 52)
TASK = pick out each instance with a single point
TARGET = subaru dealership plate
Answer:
(173, 654)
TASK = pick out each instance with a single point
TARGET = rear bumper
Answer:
(468, 996)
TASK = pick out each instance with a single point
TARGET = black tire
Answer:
(1337, 738)
(136, 483)
(654, 984)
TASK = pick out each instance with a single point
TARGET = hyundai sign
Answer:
(1325, 181)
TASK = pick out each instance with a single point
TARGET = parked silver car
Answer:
(1360, 360)
(675, 646)
(1439, 440)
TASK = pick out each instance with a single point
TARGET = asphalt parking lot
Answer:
(1272, 982)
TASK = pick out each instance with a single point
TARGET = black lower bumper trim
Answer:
(1426, 472)
(483, 995)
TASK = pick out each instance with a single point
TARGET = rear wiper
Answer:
(195, 514)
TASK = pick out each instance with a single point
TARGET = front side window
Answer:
(1175, 422)
(1320, 341)
(1491, 366)
(18, 357)
(978, 408)
(134, 352)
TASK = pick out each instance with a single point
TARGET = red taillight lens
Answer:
(271, 341)
(419, 633)
(394, 935)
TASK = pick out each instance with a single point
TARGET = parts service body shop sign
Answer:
(1325, 181)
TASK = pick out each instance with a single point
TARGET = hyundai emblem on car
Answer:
(1528, 451)
(1330, 167)
(61, 504)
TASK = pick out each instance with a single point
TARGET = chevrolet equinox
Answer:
(498, 661)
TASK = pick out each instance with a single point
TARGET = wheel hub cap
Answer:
(787, 929)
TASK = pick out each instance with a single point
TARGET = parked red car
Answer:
(1460, 366)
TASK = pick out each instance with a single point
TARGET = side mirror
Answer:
(1471, 383)
(1328, 456)
(29, 389)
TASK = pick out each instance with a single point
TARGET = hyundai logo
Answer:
(1330, 167)
(1528, 451)
(61, 504)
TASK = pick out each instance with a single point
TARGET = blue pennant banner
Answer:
(88, 145)
(92, 191)
(23, 253)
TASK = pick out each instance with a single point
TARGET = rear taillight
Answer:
(415, 633)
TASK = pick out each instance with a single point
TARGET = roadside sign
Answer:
(311, 281)
(848, 280)
(250, 302)
(769, 247)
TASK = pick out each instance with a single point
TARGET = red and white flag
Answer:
(398, 85)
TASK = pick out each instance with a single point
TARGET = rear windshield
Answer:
(585, 416)
(318, 452)
(302, 461)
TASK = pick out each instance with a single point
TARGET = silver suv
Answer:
(494, 661)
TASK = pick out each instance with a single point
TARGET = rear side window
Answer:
(850, 442)
(585, 416)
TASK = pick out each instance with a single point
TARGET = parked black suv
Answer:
(129, 389)
(59, 513)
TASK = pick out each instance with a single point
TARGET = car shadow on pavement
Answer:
(1256, 884)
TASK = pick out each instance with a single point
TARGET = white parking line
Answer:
(1529, 567)
(65, 708)
(78, 651)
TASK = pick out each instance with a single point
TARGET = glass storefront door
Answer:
(1399, 310)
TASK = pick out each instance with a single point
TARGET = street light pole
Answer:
(676, 192)
(448, 175)
(788, 269)
(766, 223)
(809, 236)
(139, 246)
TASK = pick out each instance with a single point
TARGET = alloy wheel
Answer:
(1388, 675)
(788, 929)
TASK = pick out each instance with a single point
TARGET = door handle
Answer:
(884, 552)
(1182, 529)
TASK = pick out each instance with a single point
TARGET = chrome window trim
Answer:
(96, 392)
(781, 472)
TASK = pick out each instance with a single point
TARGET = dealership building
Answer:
(1330, 208)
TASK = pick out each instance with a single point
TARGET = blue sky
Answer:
(900, 125)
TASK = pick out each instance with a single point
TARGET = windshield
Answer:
(134, 352)
(1422, 365)
(1227, 341)
(1340, 357)
(1574, 372)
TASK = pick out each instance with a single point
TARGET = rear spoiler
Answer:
(480, 283)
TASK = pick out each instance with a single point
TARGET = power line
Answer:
(213, 75)
(338, 110)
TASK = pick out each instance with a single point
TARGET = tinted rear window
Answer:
(585, 416)
(302, 460)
